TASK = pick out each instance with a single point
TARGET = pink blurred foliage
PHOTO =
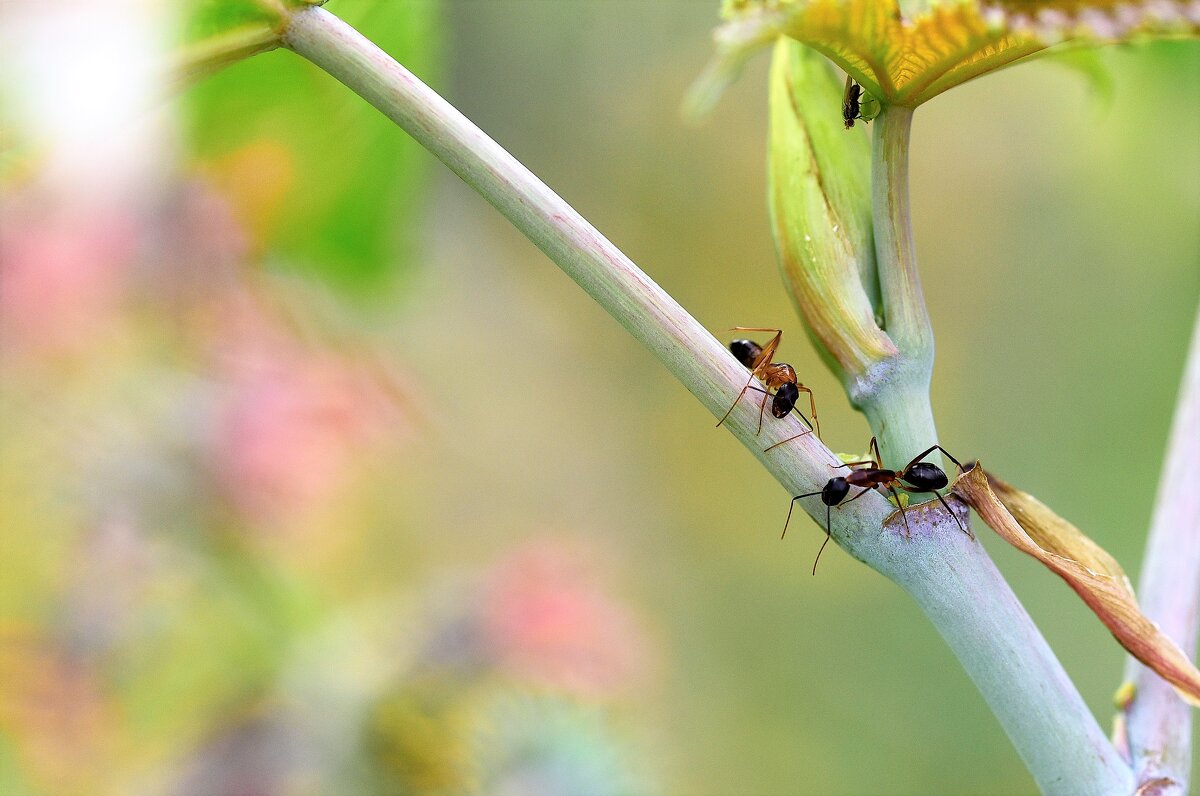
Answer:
(550, 618)
(293, 420)
(63, 272)
(291, 415)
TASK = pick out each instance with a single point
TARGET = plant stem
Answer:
(905, 318)
(685, 347)
(949, 575)
(959, 588)
(895, 396)
(1158, 722)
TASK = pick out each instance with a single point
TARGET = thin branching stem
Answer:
(948, 574)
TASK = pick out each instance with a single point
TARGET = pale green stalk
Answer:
(948, 574)
(1158, 722)
(895, 395)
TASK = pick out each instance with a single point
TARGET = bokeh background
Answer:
(316, 477)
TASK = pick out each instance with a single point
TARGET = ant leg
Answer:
(792, 506)
(866, 489)
(961, 527)
(930, 450)
(874, 464)
(907, 528)
(789, 439)
(812, 404)
(874, 446)
(735, 401)
(828, 534)
(761, 407)
(768, 351)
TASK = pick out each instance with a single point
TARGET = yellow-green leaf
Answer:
(1031, 527)
(908, 55)
(820, 201)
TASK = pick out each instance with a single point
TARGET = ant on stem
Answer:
(916, 476)
(778, 376)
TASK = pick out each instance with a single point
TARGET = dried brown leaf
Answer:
(1030, 526)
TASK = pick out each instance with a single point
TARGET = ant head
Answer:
(924, 475)
(835, 491)
(785, 399)
(745, 351)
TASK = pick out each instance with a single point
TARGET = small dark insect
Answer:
(778, 376)
(851, 108)
(916, 476)
(852, 103)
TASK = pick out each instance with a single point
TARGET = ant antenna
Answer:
(792, 506)
(828, 536)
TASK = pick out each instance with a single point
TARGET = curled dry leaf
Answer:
(1031, 527)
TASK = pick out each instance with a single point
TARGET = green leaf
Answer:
(203, 19)
(315, 174)
(819, 196)
(907, 53)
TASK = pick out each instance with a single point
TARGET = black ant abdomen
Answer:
(926, 477)
(745, 351)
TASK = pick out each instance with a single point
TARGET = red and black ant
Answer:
(916, 476)
(778, 376)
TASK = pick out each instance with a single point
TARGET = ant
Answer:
(778, 376)
(916, 476)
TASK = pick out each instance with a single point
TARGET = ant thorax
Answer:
(776, 376)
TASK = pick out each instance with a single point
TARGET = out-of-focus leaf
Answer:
(1086, 62)
(907, 54)
(217, 33)
(1031, 527)
(203, 19)
(314, 173)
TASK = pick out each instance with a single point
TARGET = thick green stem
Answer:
(955, 583)
(948, 574)
(899, 412)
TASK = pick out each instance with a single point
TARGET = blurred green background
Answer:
(318, 478)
